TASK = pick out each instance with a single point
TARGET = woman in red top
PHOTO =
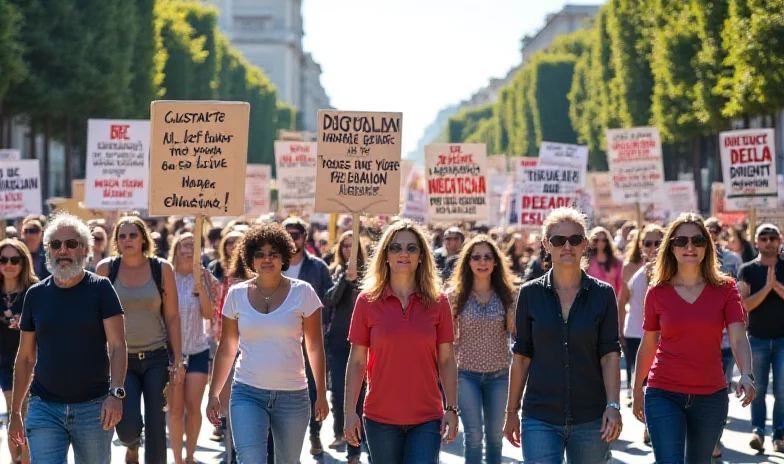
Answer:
(686, 309)
(401, 334)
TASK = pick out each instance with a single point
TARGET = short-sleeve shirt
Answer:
(402, 364)
(688, 358)
(73, 358)
(767, 319)
(271, 355)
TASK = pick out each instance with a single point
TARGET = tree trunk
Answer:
(68, 155)
(696, 161)
(47, 190)
(33, 150)
(746, 121)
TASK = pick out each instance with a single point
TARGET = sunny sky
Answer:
(417, 56)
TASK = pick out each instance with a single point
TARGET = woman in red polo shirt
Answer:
(686, 309)
(401, 334)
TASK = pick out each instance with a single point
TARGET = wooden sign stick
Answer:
(198, 231)
(352, 263)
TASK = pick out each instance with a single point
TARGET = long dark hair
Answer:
(609, 249)
(462, 280)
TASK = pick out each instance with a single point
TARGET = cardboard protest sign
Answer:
(10, 154)
(198, 153)
(117, 174)
(634, 157)
(358, 168)
(295, 168)
(77, 189)
(497, 164)
(599, 187)
(20, 190)
(257, 189)
(456, 182)
(680, 197)
(415, 203)
(748, 162)
(564, 154)
(76, 208)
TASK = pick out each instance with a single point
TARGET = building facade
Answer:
(570, 19)
(269, 34)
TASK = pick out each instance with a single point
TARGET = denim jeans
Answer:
(545, 443)
(404, 444)
(630, 357)
(685, 428)
(767, 353)
(52, 427)
(254, 412)
(338, 361)
(481, 398)
(147, 375)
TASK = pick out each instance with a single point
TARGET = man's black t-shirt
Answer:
(73, 358)
(767, 319)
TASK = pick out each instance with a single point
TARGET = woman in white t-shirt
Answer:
(267, 317)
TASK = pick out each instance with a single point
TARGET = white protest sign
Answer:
(118, 173)
(541, 189)
(499, 183)
(748, 162)
(20, 192)
(564, 154)
(456, 182)
(415, 201)
(257, 189)
(680, 197)
(634, 157)
(295, 172)
(10, 154)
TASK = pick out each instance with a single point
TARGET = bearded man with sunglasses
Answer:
(762, 291)
(68, 319)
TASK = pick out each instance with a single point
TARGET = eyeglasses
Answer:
(650, 243)
(396, 248)
(768, 238)
(271, 255)
(131, 236)
(295, 235)
(485, 257)
(560, 240)
(698, 241)
(71, 244)
(15, 260)
(32, 230)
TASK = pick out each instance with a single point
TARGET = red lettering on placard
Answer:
(546, 202)
(750, 155)
(457, 185)
(119, 132)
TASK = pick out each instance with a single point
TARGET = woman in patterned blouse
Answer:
(197, 302)
(482, 303)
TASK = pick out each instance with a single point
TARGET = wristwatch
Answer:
(453, 409)
(117, 392)
(614, 405)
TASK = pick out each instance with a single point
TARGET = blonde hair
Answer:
(148, 244)
(565, 214)
(175, 247)
(667, 265)
(27, 276)
(377, 274)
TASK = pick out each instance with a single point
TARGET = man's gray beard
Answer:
(68, 272)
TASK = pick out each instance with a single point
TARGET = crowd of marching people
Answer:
(512, 334)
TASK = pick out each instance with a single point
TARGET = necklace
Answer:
(266, 298)
(483, 302)
(10, 301)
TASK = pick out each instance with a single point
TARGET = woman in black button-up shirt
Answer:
(567, 351)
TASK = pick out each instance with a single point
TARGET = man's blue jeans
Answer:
(685, 428)
(403, 444)
(767, 353)
(481, 398)
(545, 443)
(52, 427)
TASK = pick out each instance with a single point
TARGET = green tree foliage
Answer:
(149, 57)
(12, 66)
(287, 117)
(753, 38)
(465, 123)
(485, 133)
(184, 50)
(550, 86)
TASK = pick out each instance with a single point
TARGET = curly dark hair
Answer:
(265, 234)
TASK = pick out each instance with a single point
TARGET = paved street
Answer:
(629, 449)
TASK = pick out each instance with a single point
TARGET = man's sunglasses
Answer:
(650, 243)
(32, 230)
(15, 260)
(486, 257)
(97, 238)
(295, 235)
(71, 244)
(396, 248)
(560, 240)
(698, 241)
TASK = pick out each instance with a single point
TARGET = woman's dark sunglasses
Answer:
(650, 243)
(699, 241)
(486, 257)
(271, 255)
(560, 240)
(396, 248)
(71, 244)
(15, 260)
